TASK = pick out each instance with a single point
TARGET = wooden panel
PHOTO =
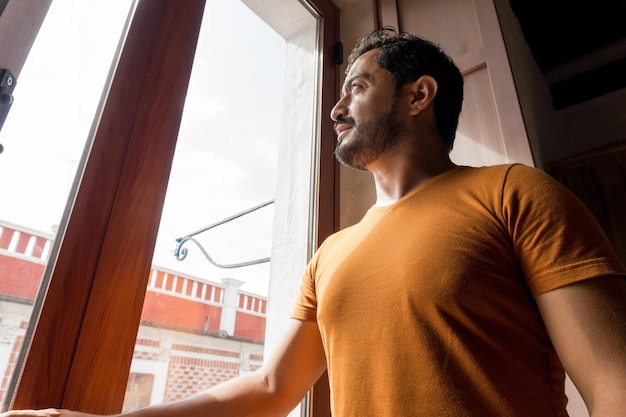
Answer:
(478, 142)
(387, 13)
(451, 23)
(83, 344)
(509, 113)
(328, 186)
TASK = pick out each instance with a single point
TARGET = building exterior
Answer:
(194, 333)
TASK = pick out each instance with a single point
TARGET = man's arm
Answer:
(587, 324)
(294, 365)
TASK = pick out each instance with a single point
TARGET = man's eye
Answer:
(356, 86)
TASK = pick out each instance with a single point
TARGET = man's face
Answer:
(366, 120)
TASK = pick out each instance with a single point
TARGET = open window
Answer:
(90, 309)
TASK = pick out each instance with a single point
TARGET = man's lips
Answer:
(342, 127)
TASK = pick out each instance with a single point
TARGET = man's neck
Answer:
(396, 176)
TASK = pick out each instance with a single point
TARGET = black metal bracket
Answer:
(7, 85)
(338, 53)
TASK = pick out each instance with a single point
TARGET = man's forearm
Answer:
(243, 396)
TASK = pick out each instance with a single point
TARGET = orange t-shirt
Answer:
(426, 307)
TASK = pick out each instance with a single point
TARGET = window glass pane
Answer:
(204, 318)
(55, 100)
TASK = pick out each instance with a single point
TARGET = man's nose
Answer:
(340, 109)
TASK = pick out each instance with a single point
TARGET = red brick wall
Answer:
(20, 277)
(181, 312)
(21, 264)
(187, 376)
(8, 372)
(249, 326)
(171, 299)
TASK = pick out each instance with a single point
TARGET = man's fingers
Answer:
(49, 412)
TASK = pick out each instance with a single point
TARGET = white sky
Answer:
(226, 157)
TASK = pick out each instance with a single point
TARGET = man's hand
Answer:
(49, 412)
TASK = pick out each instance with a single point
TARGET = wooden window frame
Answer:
(81, 349)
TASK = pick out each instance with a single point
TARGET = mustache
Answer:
(342, 120)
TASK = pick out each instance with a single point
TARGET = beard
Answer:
(370, 139)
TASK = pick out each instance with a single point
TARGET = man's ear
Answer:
(422, 93)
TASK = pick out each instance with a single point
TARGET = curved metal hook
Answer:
(181, 253)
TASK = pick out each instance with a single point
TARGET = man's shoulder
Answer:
(510, 172)
(490, 174)
(505, 168)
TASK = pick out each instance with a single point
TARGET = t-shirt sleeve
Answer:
(306, 303)
(556, 240)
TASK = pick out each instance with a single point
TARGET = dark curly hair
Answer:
(408, 57)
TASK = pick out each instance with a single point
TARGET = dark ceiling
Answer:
(565, 35)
